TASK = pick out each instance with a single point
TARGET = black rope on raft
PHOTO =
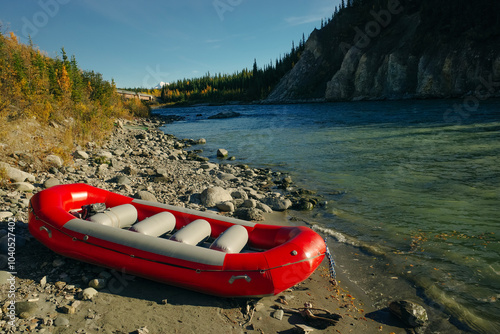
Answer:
(331, 263)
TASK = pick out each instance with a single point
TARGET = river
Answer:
(416, 181)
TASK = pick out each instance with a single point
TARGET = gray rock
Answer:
(130, 170)
(226, 177)
(51, 182)
(89, 294)
(221, 153)
(119, 152)
(210, 197)
(304, 205)
(265, 208)
(116, 163)
(23, 186)
(208, 165)
(250, 203)
(67, 309)
(105, 154)
(252, 214)
(43, 281)
(146, 196)
(225, 206)
(58, 263)
(102, 169)
(122, 180)
(5, 214)
(79, 154)
(412, 314)
(54, 161)
(278, 203)
(278, 314)
(239, 194)
(98, 283)
(16, 175)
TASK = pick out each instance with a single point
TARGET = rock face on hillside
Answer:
(391, 57)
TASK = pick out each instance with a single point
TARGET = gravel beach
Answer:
(53, 294)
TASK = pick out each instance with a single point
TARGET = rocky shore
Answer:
(53, 294)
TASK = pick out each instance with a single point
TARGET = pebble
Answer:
(54, 160)
(222, 153)
(23, 186)
(67, 309)
(146, 196)
(5, 214)
(226, 206)
(43, 281)
(98, 283)
(51, 182)
(60, 285)
(58, 263)
(278, 203)
(81, 155)
(89, 294)
(278, 314)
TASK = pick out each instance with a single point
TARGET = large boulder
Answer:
(210, 197)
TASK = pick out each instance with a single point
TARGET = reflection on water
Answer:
(426, 189)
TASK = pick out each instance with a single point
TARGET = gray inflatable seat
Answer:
(193, 233)
(155, 225)
(119, 216)
(231, 240)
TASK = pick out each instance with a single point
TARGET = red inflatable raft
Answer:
(195, 250)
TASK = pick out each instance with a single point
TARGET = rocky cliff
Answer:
(399, 49)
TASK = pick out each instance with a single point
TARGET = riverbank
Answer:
(141, 161)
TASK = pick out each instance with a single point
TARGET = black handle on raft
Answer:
(234, 278)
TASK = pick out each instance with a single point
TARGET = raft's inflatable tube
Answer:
(120, 216)
(157, 225)
(231, 240)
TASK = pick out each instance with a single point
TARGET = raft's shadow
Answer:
(385, 317)
(34, 261)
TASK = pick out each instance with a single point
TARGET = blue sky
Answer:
(140, 43)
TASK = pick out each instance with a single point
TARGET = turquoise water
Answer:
(403, 177)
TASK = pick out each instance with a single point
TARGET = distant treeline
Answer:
(245, 85)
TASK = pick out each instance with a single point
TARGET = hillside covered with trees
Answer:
(381, 49)
(80, 106)
(245, 85)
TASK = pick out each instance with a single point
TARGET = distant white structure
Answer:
(160, 85)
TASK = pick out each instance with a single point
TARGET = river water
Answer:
(413, 180)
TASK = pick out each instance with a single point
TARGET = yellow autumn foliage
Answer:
(36, 90)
